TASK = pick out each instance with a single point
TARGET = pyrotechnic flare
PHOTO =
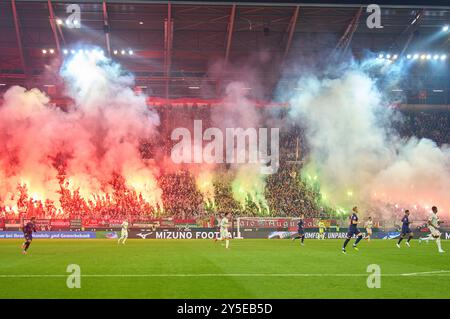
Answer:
(97, 137)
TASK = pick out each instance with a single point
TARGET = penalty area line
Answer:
(429, 273)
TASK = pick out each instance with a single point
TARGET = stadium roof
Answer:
(189, 49)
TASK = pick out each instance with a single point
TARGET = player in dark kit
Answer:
(406, 231)
(28, 230)
(353, 230)
(301, 232)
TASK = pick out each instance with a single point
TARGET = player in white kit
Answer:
(433, 226)
(369, 225)
(224, 234)
(124, 233)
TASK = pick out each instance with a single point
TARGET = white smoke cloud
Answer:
(355, 152)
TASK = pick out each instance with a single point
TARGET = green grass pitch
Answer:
(258, 268)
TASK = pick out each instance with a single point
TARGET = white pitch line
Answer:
(431, 273)
(426, 273)
(194, 275)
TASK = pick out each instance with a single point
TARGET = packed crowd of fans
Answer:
(432, 125)
(286, 192)
(285, 195)
(71, 205)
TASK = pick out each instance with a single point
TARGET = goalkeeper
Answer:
(321, 230)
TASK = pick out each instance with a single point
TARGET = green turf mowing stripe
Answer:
(429, 273)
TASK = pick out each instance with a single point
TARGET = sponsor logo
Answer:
(187, 235)
(280, 234)
(310, 235)
(60, 223)
(144, 236)
(209, 235)
(146, 225)
(183, 227)
(49, 235)
(290, 224)
(391, 235)
(338, 235)
(112, 235)
(173, 235)
(9, 225)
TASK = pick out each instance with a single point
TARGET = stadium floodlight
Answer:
(436, 56)
(76, 22)
(428, 56)
(409, 56)
(73, 51)
(122, 52)
(416, 56)
(65, 51)
(141, 22)
(115, 52)
(445, 28)
(59, 21)
(443, 57)
(51, 51)
(130, 52)
(388, 56)
(423, 57)
(44, 51)
(381, 56)
(395, 57)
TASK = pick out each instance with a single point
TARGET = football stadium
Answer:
(224, 150)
